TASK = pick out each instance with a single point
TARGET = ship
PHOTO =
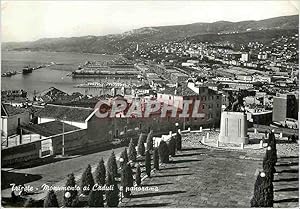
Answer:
(27, 70)
(9, 74)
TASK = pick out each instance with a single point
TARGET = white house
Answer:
(75, 116)
(11, 118)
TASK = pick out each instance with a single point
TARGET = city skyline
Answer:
(50, 22)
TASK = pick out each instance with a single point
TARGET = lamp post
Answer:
(63, 137)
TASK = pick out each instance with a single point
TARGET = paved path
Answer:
(200, 177)
(56, 173)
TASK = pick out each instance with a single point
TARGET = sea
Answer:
(58, 75)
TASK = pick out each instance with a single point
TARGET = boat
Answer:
(27, 70)
(9, 73)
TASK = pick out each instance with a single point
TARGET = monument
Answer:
(234, 125)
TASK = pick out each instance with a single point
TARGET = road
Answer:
(56, 173)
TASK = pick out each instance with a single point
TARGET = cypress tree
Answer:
(100, 173)
(268, 190)
(258, 199)
(112, 196)
(87, 180)
(156, 159)
(96, 199)
(148, 163)
(73, 192)
(149, 140)
(178, 141)
(172, 147)
(268, 164)
(75, 203)
(126, 179)
(29, 203)
(51, 200)
(163, 152)
(132, 151)
(112, 167)
(124, 156)
(138, 175)
(274, 149)
(141, 146)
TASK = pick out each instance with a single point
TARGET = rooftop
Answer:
(68, 113)
(49, 128)
(8, 110)
(179, 91)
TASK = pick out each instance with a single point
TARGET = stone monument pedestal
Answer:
(233, 128)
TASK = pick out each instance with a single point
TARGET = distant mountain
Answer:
(222, 30)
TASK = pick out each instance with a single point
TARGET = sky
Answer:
(32, 20)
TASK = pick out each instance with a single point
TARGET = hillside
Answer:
(237, 32)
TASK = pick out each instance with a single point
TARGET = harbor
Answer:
(25, 70)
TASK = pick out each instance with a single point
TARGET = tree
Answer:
(51, 200)
(75, 203)
(124, 156)
(163, 152)
(100, 173)
(87, 180)
(96, 198)
(172, 146)
(148, 163)
(126, 179)
(268, 191)
(112, 167)
(141, 146)
(258, 199)
(112, 196)
(156, 159)
(132, 152)
(178, 141)
(273, 148)
(138, 175)
(149, 140)
(29, 203)
(268, 164)
(73, 192)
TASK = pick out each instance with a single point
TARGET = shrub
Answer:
(100, 173)
(126, 179)
(112, 167)
(87, 180)
(268, 165)
(29, 203)
(51, 200)
(178, 141)
(132, 152)
(124, 156)
(258, 199)
(163, 152)
(268, 192)
(112, 196)
(149, 140)
(138, 175)
(148, 163)
(96, 199)
(141, 146)
(75, 203)
(172, 147)
(156, 159)
(71, 184)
